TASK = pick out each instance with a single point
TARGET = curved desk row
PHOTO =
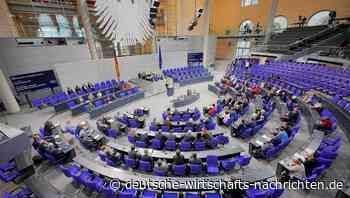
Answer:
(314, 143)
(115, 104)
(226, 151)
(62, 106)
(185, 100)
(342, 116)
(196, 80)
(251, 173)
(214, 133)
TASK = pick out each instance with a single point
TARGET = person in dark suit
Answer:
(194, 159)
(160, 136)
(133, 154)
(309, 163)
(49, 128)
(178, 158)
(145, 157)
(188, 137)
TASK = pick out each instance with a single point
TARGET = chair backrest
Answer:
(212, 160)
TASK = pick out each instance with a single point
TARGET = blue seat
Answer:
(128, 193)
(37, 103)
(159, 172)
(149, 194)
(192, 195)
(196, 169)
(222, 139)
(141, 144)
(199, 145)
(243, 160)
(212, 164)
(113, 133)
(130, 163)
(179, 170)
(185, 146)
(153, 127)
(170, 195)
(145, 166)
(212, 195)
(170, 145)
(254, 193)
(70, 171)
(157, 143)
(97, 184)
(228, 164)
(7, 166)
(109, 192)
(131, 139)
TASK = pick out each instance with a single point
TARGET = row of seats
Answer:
(186, 75)
(330, 80)
(212, 166)
(22, 192)
(182, 116)
(337, 99)
(8, 171)
(248, 132)
(101, 102)
(325, 156)
(172, 145)
(101, 185)
(63, 96)
(209, 124)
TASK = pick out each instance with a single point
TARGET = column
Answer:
(7, 24)
(269, 28)
(85, 19)
(206, 16)
(7, 96)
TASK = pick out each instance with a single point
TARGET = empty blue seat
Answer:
(196, 169)
(192, 195)
(145, 166)
(212, 164)
(179, 170)
(243, 160)
(170, 195)
(149, 194)
(185, 146)
(170, 145)
(157, 143)
(199, 146)
(212, 195)
(228, 164)
(128, 193)
(130, 163)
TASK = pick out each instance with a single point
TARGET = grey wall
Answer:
(21, 60)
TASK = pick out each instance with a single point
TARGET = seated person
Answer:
(69, 91)
(161, 165)
(145, 157)
(133, 154)
(297, 168)
(325, 124)
(237, 129)
(226, 117)
(171, 136)
(212, 110)
(90, 85)
(318, 107)
(280, 137)
(194, 159)
(199, 138)
(114, 156)
(144, 138)
(160, 136)
(206, 134)
(49, 128)
(85, 88)
(77, 89)
(178, 158)
(309, 163)
(291, 118)
(54, 149)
